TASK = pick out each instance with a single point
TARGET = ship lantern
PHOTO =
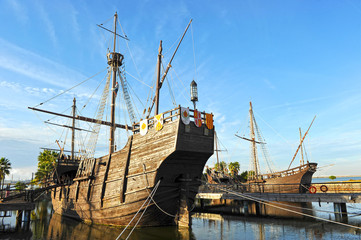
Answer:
(194, 93)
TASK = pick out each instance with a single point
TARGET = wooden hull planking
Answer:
(119, 185)
(297, 180)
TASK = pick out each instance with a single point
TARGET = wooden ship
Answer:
(293, 180)
(154, 179)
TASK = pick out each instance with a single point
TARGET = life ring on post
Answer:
(324, 188)
(312, 189)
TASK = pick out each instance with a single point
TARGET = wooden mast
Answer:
(216, 141)
(167, 69)
(73, 130)
(159, 63)
(302, 161)
(253, 142)
(112, 106)
(301, 143)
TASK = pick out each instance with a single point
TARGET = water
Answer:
(46, 225)
(339, 179)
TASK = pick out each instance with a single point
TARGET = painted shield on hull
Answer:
(209, 120)
(185, 115)
(158, 122)
(143, 127)
(197, 118)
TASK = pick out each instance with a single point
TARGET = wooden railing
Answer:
(254, 188)
(328, 187)
(287, 172)
(168, 116)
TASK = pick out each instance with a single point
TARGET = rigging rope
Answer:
(185, 88)
(60, 112)
(90, 148)
(170, 91)
(263, 147)
(259, 116)
(91, 96)
(138, 80)
(71, 88)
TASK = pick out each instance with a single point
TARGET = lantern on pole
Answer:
(194, 93)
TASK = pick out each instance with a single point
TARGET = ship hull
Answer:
(112, 189)
(295, 180)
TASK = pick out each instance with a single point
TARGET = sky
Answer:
(293, 59)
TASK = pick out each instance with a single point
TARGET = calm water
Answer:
(46, 225)
(318, 180)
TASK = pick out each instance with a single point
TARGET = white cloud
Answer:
(36, 66)
(19, 9)
(48, 23)
(23, 173)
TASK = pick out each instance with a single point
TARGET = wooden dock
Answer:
(287, 197)
(21, 201)
(339, 194)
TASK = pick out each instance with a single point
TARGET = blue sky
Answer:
(292, 59)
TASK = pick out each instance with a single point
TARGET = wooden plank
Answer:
(125, 172)
(105, 179)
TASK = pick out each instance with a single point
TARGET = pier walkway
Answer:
(287, 197)
(22, 201)
(338, 193)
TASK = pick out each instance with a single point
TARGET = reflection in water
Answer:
(45, 225)
(65, 228)
(217, 226)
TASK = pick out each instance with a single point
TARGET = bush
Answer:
(332, 177)
(20, 186)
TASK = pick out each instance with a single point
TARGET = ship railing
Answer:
(285, 173)
(332, 187)
(168, 116)
(254, 188)
(69, 161)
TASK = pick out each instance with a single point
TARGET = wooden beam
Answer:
(81, 118)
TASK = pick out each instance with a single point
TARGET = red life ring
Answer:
(312, 189)
(324, 188)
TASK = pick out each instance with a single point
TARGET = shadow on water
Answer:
(65, 228)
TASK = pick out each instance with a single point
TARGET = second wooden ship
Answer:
(293, 180)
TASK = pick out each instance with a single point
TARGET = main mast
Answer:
(159, 63)
(115, 61)
(253, 143)
(73, 130)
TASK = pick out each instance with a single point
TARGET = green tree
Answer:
(20, 186)
(46, 164)
(221, 167)
(243, 176)
(332, 177)
(234, 168)
(5, 167)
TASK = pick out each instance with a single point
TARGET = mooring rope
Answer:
(146, 200)
(263, 201)
(142, 213)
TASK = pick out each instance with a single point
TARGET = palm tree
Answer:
(46, 163)
(234, 168)
(5, 167)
